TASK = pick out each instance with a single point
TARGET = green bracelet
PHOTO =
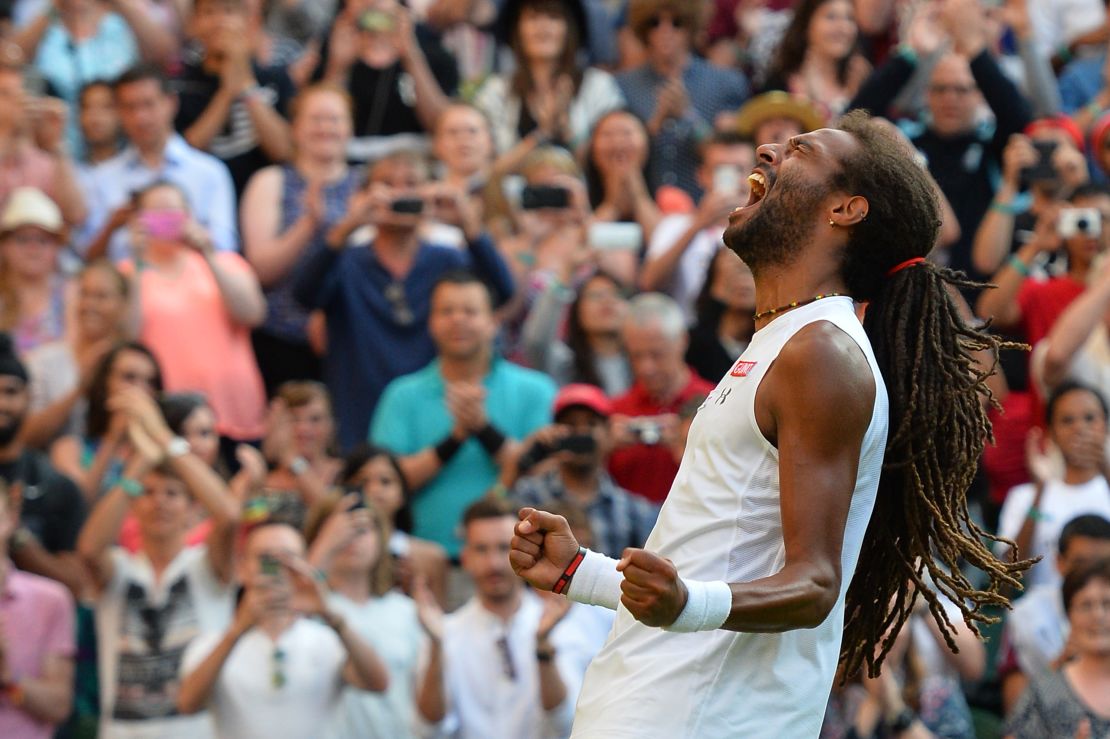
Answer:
(133, 488)
(1019, 266)
(1007, 208)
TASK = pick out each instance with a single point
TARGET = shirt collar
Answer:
(173, 154)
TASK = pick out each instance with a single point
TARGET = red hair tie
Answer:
(902, 265)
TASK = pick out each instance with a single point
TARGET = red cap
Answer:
(1060, 123)
(1098, 133)
(587, 396)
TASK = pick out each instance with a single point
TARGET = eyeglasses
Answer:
(657, 20)
(954, 89)
(402, 314)
(277, 668)
(506, 658)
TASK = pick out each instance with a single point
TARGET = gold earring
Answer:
(831, 223)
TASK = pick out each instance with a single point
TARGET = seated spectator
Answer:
(684, 244)
(1029, 192)
(50, 506)
(776, 117)
(456, 422)
(94, 456)
(675, 93)
(549, 97)
(379, 296)
(300, 437)
(99, 123)
(229, 105)
(377, 475)
(185, 287)
(32, 135)
(399, 76)
(578, 447)
(78, 41)
(147, 106)
(1034, 305)
(286, 212)
(348, 541)
(276, 671)
(819, 57)
(591, 351)
(963, 156)
(33, 291)
(725, 323)
(37, 630)
(510, 662)
(152, 604)
(616, 172)
(1073, 701)
(1037, 629)
(62, 370)
(1034, 514)
(462, 143)
(645, 421)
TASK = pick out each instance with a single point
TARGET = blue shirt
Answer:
(204, 179)
(413, 415)
(1080, 82)
(377, 326)
(674, 150)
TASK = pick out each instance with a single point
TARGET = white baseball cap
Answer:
(30, 206)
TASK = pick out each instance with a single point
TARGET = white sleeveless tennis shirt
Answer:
(721, 521)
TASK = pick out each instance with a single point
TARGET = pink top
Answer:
(198, 345)
(37, 621)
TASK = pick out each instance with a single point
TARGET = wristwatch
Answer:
(177, 447)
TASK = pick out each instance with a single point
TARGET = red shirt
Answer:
(643, 469)
(1042, 302)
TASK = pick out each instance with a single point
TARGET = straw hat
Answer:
(29, 206)
(777, 104)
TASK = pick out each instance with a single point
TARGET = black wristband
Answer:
(491, 439)
(447, 448)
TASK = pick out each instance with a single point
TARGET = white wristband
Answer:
(596, 582)
(707, 607)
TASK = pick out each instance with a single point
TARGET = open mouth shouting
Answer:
(760, 182)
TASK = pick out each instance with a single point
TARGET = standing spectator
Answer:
(725, 317)
(185, 287)
(147, 106)
(508, 663)
(51, 508)
(36, 642)
(74, 42)
(231, 106)
(399, 76)
(963, 156)
(684, 244)
(819, 57)
(457, 421)
(379, 296)
(1073, 701)
(37, 160)
(645, 421)
(286, 212)
(548, 98)
(463, 144)
(275, 671)
(62, 370)
(99, 123)
(676, 94)
(349, 539)
(1034, 514)
(580, 442)
(151, 604)
(616, 173)
(33, 291)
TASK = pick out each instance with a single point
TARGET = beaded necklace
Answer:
(795, 304)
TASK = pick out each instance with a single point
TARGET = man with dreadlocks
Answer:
(784, 530)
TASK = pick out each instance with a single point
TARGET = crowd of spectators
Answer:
(301, 300)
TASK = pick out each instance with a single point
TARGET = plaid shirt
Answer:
(618, 518)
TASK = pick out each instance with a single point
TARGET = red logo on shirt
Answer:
(741, 369)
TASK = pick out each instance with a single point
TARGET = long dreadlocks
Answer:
(920, 532)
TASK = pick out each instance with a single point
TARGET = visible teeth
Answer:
(758, 184)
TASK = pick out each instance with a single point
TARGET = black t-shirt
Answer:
(53, 507)
(237, 143)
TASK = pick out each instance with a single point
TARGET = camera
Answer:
(1079, 221)
(575, 444)
(534, 197)
(646, 430)
(1044, 170)
(408, 206)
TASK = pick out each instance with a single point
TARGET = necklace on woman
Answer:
(795, 304)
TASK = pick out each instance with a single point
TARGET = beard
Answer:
(10, 429)
(779, 229)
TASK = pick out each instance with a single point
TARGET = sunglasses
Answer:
(657, 20)
(402, 314)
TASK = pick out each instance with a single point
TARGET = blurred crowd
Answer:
(302, 300)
